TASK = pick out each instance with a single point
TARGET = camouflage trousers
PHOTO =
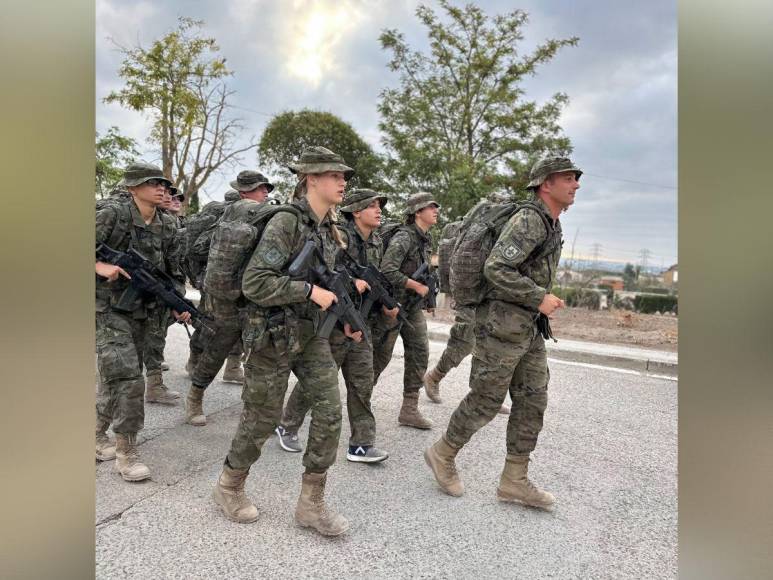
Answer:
(199, 338)
(460, 341)
(356, 363)
(120, 342)
(509, 355)
(219, 343)
(415, 344)
(159, 321)
(266, 373)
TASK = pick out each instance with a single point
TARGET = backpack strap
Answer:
(123, 225)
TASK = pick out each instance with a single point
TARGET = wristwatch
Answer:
(309, 288)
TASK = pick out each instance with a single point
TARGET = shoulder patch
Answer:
(510, 251)
(272, 256)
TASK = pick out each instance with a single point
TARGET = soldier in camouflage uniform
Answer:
(461, 338)
(362, 211)
(155, 341)
(129, 221)
(409, 248)
(233, 372)
(281, 336)
(509, 353)
(225, 336)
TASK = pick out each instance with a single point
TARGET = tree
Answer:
(113, 153)
(631, 277)
(459, 125)
(179, 82)
(289, 133)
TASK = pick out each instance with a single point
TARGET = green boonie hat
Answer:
(418, 201)
(248, 180)
(548, 165)
(319, 160)
(232, 195)
(359, 199)
(138, 173)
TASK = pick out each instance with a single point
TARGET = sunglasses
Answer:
(156, 182)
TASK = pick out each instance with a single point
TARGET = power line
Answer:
(631, 181)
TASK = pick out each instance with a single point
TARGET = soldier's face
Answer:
(166, 202)
(329, 186)
(369, 217)
(175, 205)
(429, 214)
(258, 194)
(562, 187)
(151, 192)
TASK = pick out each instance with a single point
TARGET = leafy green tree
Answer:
(631, 277)
(179, 82)
(113, 152)
(459, 124)
(288, 133)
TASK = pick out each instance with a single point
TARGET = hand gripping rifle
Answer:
(338, 282)
(147, 279)
(380, 289)
(423, 275)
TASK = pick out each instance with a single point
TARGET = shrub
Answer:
(649, 303)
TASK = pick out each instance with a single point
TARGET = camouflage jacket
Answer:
(266, 281)
(363, 251)
(408, 249)
(511, 280)
(119, 224)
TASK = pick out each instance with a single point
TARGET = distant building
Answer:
(671, 276)
(616, 282)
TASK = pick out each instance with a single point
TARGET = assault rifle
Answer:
(338, 282)
(147, 280)
(423, 275)
(380, 288)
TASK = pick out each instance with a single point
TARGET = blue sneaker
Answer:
(365, 454)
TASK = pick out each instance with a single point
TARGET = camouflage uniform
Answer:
(354, 359)
(291, 345)
(509, 354)
(408, 249)
(120, 336)
(225, 338)
(460, 342)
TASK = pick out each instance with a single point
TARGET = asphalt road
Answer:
(608, 452)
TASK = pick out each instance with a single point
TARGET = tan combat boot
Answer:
(410, 416)
(440, 458)
(514, 485)
(229, 495)
(312, 512)
(193, 360)
(105, 447)
(233, 372)
(157, 392)
(194, 414)
(127, 458)
(432, 385)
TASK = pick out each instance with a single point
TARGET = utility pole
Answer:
(596, 251)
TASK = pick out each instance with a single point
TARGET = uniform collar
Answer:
(303, 205)
(544, 207)
(422, 236)
(138, 220)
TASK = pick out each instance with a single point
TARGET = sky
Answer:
(621, 80)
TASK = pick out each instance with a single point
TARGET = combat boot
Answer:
(105, 447)
(312, 512)
(157, 392)
(410, 416)
(193, 360)
(229, 495)
(441, 460)
(233, 372)
(432, 385)
(514, 485)
(194, 414)
(127, 458)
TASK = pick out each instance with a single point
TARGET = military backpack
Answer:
(445, 251)
(194, 260)
(388, 230)
(479, 231)
(233, 242)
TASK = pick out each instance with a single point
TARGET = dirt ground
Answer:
(608, 327)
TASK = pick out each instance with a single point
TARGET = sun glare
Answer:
(314, 38)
